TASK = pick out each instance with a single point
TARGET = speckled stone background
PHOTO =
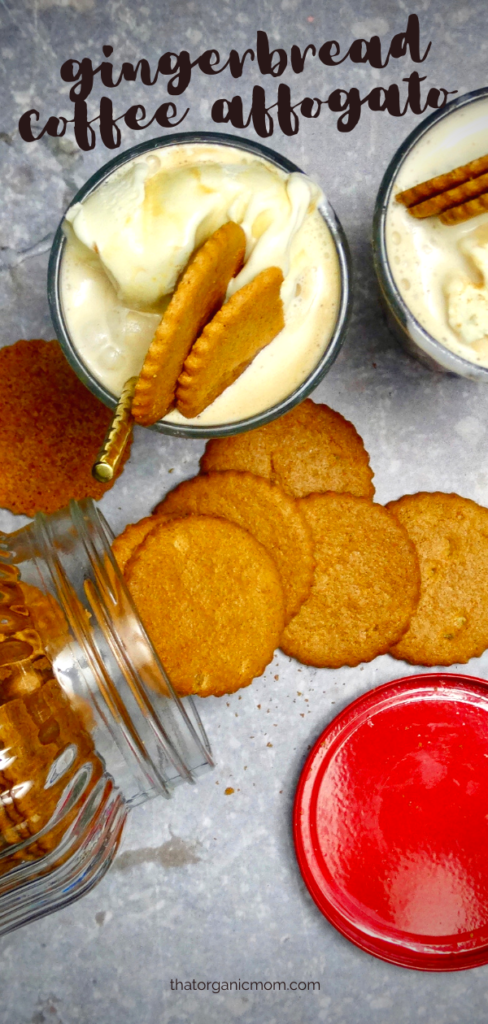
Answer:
(206, 887)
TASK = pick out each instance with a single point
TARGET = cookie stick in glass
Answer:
(117, 436)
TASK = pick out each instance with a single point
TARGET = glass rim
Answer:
(337, 336)
(395, 301)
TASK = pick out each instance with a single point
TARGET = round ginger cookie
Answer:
(310, 449)
(247, 322)
(272, 516)
(211, 600)
(450, 533)
(51, 430)
(366, 583)
(127, 542)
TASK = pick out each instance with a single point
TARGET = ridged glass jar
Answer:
(89, 722)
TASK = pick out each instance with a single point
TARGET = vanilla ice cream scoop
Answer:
(144, 227)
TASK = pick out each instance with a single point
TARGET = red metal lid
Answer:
(391, 822)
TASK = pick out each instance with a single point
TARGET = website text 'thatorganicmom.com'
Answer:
(243, 986)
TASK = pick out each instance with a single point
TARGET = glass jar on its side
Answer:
(89, 722)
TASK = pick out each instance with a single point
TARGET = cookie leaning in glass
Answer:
(199, 348)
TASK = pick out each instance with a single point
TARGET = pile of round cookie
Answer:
(278, 543)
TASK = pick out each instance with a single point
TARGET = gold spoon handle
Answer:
(118, 433)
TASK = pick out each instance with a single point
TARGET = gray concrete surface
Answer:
(206, 887)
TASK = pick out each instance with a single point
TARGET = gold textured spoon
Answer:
(117, 436)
